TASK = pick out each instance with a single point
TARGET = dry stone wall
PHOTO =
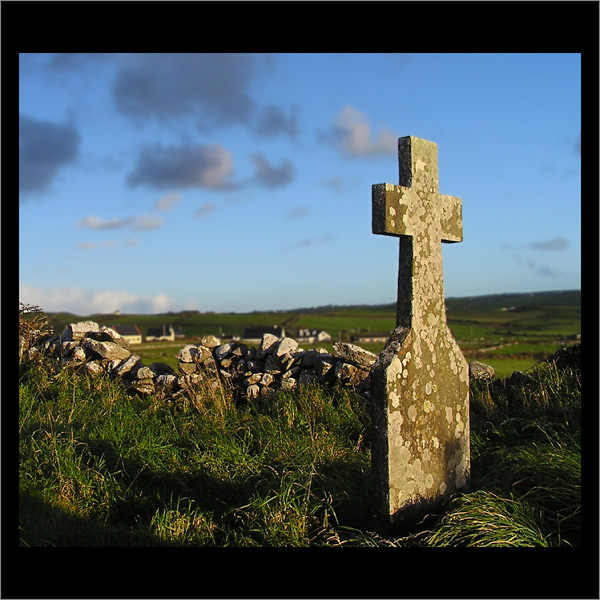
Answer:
(277, 363)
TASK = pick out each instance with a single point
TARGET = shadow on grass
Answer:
(142, 493)
(43, 524)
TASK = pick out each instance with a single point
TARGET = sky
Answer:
(238, 182)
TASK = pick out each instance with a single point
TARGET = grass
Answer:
(101, 468)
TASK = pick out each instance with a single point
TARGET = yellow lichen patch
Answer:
(412, 412)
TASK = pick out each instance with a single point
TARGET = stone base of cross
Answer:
(420, 382)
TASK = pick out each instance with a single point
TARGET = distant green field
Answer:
(348, 323)
(503, 367)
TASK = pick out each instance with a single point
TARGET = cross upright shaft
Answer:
(416, 212)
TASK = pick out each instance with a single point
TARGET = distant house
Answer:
(165, 333)
(255, 334)
(374, 337)
(131, 333)
(312, 336)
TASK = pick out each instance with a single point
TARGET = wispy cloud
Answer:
(557, 243)
(93, 222)
(89, 246)
(310, 241)
(271, 176)
(338, 185)
(297, 213)
(167, 202)
(145, 223)
(205, 209)
(537, 269)
(553, 244)
(545, 271)
(541, 270)
(142, 223)
(351, 135)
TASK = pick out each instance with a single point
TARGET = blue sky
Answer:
(240, 182)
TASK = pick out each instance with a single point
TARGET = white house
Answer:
(130, 332)
(311, 336)
(165, 333)
(371, 338)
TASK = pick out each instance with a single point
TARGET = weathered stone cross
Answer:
(420, 382)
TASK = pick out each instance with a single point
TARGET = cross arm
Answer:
(452, 225)
(389, 209)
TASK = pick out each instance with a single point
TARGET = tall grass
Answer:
(99, 467)
(526, 462)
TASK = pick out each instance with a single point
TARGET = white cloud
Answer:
(351, 135)
(82, 302)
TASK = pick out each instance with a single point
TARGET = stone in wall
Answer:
(355, 355)
(478, 370)
(77, 331)
(107, 350)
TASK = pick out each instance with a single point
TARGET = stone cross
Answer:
(420, 382)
